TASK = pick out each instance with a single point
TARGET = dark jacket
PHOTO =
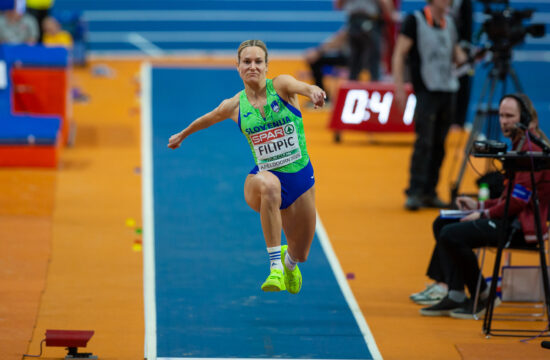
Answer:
(521, 204)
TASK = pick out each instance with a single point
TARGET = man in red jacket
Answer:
(453, 264)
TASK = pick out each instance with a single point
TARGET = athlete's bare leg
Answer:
(299, 225)
(262, 193)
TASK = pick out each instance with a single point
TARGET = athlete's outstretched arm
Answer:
(228, 109)
(288, 86)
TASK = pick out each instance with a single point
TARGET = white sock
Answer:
(275, 257)
(289, 262)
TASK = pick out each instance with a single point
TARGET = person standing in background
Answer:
(53, 35)
(17, 28)
(429, 41)
(331, 52)
(39, 9)
(364, 23)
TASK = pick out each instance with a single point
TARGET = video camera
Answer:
(505, 26)
(489, 147)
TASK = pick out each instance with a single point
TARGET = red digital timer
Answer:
(370, 107)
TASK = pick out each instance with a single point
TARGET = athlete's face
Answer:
(509, 116)
(252, 66)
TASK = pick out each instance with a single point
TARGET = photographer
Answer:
(453, 262)
(429, 41)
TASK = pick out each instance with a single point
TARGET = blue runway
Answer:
(204, 253)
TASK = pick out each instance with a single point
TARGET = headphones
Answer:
(524, 116)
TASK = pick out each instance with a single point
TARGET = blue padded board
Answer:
(25, 55)
(36, 55)
(209, 250)
(22, 129)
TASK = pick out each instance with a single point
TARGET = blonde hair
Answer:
(250, 43)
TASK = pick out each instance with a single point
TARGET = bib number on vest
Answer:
(276, 147)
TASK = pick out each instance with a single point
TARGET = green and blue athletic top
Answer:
(277, 141)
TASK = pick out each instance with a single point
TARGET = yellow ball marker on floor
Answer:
(137, 246)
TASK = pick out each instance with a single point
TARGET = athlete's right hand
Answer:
(175, 140)
(317, 96)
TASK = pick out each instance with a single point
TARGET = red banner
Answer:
(370, 107)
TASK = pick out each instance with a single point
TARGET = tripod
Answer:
(501, 69)
(512, 163)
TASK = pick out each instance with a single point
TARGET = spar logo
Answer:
(272, 134)
(267, 135)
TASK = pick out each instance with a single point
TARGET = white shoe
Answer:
(433, 294)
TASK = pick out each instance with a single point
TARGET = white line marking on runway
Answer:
(148, 234)
(346, 290)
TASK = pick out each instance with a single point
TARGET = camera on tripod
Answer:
(505, 27)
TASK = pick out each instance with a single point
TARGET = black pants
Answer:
(433, 117)
(364, 35)
(39, 15)
(326, 59)
(453, 260)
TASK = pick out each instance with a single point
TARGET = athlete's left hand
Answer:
(317, 96)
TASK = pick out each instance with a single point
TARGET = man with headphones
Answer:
(453, 265)
(429, 42)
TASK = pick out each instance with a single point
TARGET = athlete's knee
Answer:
(261, 190)
(270, 191)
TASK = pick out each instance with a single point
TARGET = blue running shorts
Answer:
(293, 185)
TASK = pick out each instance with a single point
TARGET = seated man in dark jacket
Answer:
(454, 264)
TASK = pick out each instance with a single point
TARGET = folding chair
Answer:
(520, 316)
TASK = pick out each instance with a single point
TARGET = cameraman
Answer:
(429, 40)
(453, 262)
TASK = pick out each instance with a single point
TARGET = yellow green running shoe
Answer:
(293, 279)
(275, 281)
